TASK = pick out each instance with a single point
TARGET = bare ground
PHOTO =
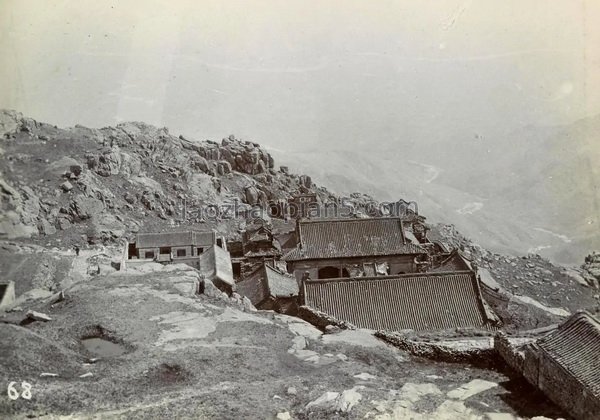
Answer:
(206, 357)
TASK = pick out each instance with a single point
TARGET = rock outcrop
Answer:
(591, 270)
(105, 183)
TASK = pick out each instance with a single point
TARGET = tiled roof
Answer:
(265, 282)
(454, 262)
(280, 284)
(425, 301)
(575, 345)
(254, 288)
(156, 240)
(342, 238)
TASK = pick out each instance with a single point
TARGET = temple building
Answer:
(418, 301)
(204, 251)
(334, 248)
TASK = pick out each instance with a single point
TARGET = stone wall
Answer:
(215, 265)
(321, 319)
(508, 352)
(479, 355)
(559, 385)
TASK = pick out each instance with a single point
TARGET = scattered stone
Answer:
(37, 316)
(284, 415)
(413, 392)
(75, 170)
(251, 195)
(292, 391)
(324, 400)
(48, 375)
(247, 304)
(577, 277)
(223, 168)
(472, 388)
(343, 402)
(46, 228)
(499, 416)
(208, 288)
(130, 198)
(348, 400)
(298, 343)
(86, 375)
(57, 297)
(66, 186)
(305, 181)
(332, 329)
(309, 356)
(365, 376)
(342, 357)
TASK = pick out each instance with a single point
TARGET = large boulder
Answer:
(199, 163)
(591, 270)
(83, 208)
(305, 181)
(112, 161)
(252, 195)
(46, 228)
(223, 167)
(104, 229)
(64, 165)
(10, 122)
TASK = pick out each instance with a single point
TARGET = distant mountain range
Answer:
(534, 191)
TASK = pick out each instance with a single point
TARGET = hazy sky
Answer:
(283, 73)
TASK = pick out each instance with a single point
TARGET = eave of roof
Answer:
(169, 239)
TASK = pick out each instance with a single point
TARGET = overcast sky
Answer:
(333, 73)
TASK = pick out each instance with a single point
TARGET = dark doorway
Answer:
(237, 270)
(181, 252)
(328, 273)
(131, 250)
(165, 250)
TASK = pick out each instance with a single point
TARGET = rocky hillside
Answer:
(95, 185)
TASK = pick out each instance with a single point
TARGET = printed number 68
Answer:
(13, 394)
